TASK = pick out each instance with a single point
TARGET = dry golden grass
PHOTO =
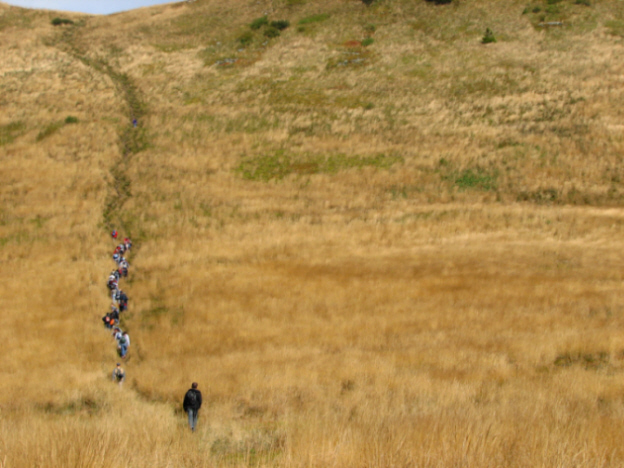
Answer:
(461, 307)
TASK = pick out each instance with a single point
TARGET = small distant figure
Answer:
(111, 319)
(192, 403)
(119, 375)
(123, 301)
(108, 321)
(128, 243)
(114, 234)
(123, 266)
(135, 122)
(123, 341)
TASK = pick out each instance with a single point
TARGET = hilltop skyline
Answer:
(86, 6)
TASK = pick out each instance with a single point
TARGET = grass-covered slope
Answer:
(372, 239)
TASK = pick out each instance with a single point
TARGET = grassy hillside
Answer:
(373, 239)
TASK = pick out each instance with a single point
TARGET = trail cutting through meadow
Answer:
(132, 134)
(132, 139)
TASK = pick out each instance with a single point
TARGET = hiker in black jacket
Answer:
(192, 403)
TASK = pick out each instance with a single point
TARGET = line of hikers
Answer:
(192, 398)
(119, 304)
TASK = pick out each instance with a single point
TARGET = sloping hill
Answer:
(371, 238)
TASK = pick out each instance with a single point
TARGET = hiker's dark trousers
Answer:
(192, 417)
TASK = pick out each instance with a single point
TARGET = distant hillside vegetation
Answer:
(384, 233)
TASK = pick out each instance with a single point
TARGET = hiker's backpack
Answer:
(191, 399)
(122, 340)
(119, 373)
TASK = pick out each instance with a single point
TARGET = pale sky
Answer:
(102, 7)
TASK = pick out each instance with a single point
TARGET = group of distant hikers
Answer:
(119, 304)
(193, 397)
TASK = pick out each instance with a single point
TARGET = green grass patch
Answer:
(20, 237)
(10, 131)
(318, 18)
(16, 19)
(259, 22)
(471, 178)
(475, 179)
(271, 32)
(50, 130)
(615, 27)
(279, 165)
(246, 38)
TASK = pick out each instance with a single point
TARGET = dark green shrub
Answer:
(370, 28)
(536, 9)
(440, 2)
(61, 21)
(280, 25)
(367, 2)
(271, 32)
(582, 2)
(259, 22)
(368, 41)
(70, 119)
(488, 37)
(246, 38)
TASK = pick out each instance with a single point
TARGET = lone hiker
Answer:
(192, 403)
(119, 375)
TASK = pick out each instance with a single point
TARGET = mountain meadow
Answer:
(377, 234)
